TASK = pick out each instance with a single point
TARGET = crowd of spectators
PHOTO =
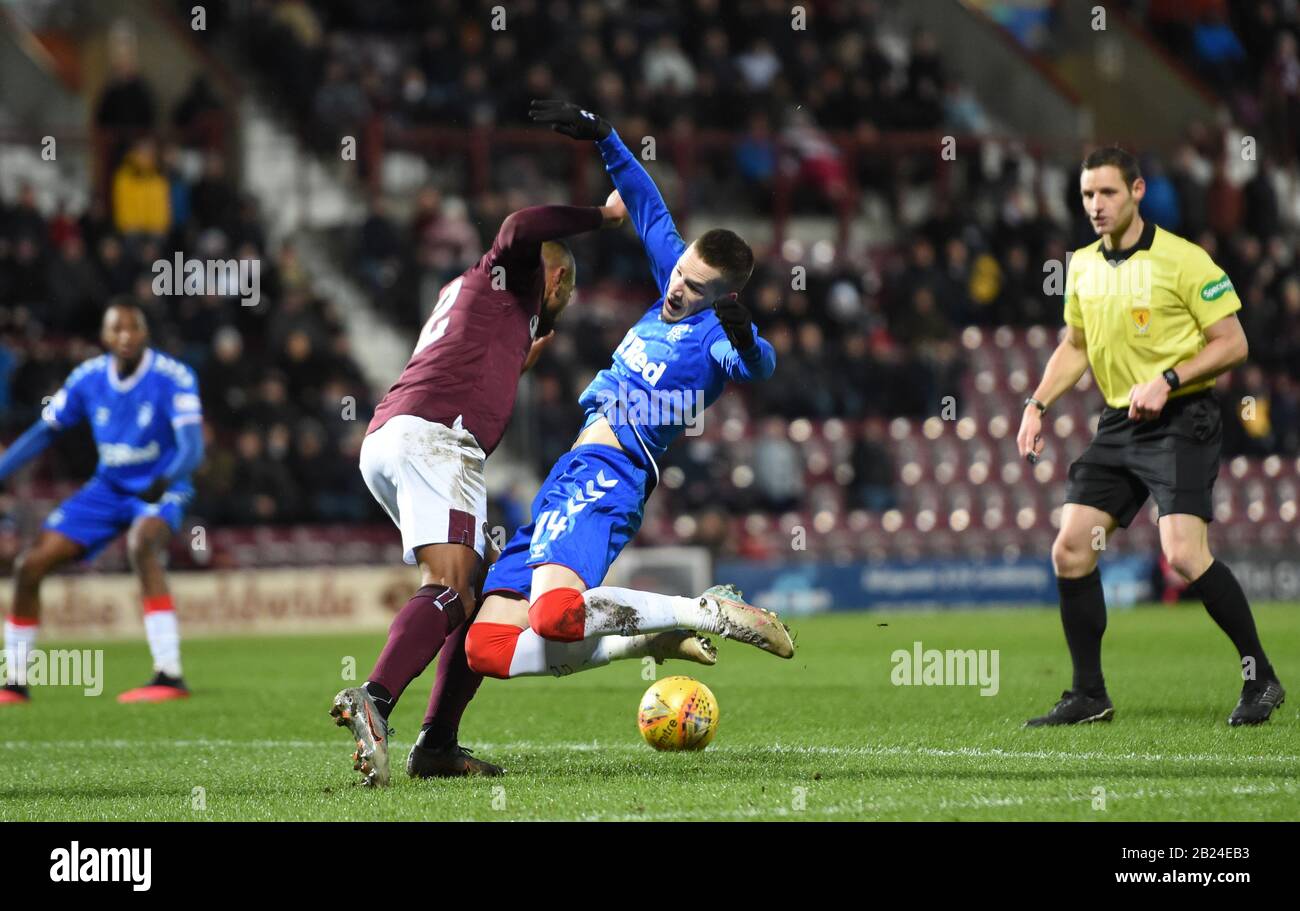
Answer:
(1246, 52)
(284, 401)
(285, 404)
(456, 63)
(859, 339)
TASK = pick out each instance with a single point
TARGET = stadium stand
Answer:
(851, 440)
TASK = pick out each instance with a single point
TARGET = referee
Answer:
(1153, 316)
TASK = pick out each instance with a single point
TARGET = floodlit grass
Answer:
(825, 736)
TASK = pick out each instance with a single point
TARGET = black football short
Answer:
(1175, 458)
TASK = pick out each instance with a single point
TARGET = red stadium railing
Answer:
(887, 157)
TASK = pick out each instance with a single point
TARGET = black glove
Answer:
(736, 322)
(153, 493)
(569, 119)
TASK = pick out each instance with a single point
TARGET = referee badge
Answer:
(1142, 319)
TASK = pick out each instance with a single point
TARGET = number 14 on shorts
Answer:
(550, 525)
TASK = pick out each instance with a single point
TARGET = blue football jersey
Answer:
(663, 374)
(133, 419)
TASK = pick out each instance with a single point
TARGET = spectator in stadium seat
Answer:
(127, 101)
(227, 377)
(821, 167)
(76, 292)
(817, 393)
(447, 246)
(925, 80)
(778, 468)
(141, 196)
(340, 105)
(270, 402)
(24, 218)
(1218, 51)
(197, 106)
(665, 67)
(263, 490)
(213, 200)
(330, 499)
(380, 248)
(1255, 412)
(758, 65)
(712, 532)
(27, 273)
(1282, 94)
(1262, 210)
(922, 321)
(1161, 204)
(1224, 202)
(1286, 414)
(873, 469)
(756, 159)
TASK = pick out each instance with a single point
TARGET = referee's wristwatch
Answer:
(1037, 404)
(1171, 377)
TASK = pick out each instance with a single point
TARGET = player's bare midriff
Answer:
(598, 431)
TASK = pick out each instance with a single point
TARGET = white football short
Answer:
(429, 479)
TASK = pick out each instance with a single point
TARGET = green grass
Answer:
(827, 732)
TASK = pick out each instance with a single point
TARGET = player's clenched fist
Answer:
(1030, 438)
(569, 119)
(614, 211)
(736, 322)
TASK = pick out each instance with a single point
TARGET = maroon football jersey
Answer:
(466, 363)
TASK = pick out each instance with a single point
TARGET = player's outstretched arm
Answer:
(519, 242)
(523, 232)
(645, 205)
(742, 353)
(64, 409)
(27, 447)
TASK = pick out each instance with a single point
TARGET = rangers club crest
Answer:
(676, 333)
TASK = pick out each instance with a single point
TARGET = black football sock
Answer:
(384, 700)
(1226, 603)
(436, 735)
(1083, 614)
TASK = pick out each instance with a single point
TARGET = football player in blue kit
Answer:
(144, 412)
(545, 610)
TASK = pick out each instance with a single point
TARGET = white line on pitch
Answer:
(592, 746)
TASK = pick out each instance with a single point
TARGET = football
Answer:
(678, 713)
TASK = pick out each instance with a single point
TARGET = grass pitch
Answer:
(825, 736)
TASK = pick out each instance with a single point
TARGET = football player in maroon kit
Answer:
(423, 459)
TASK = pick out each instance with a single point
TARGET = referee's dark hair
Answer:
(1126, 162)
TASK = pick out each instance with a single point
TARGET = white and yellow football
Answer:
(678, 713)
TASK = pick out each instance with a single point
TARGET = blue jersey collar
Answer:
(126, 385)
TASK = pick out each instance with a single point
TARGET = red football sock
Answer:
(560, 615)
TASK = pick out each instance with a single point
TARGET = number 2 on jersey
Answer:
(437, 322)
